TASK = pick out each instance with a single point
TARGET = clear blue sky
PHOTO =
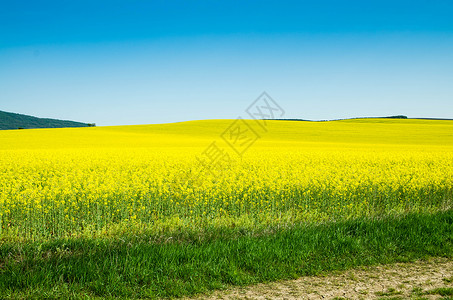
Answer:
(138, 62)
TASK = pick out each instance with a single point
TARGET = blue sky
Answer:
(140, 62)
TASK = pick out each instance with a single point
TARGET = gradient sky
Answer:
(141, 62)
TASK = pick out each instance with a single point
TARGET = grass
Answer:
(136, 266)
(389, 292)
(447, 291)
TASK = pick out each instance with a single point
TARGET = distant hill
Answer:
(17, 121)
(389, 117)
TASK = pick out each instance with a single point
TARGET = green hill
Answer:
(17, 121)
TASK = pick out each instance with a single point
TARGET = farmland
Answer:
(366, 191)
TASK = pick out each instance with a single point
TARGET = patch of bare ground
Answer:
(430, 279)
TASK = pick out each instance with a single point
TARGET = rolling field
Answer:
(176, 209)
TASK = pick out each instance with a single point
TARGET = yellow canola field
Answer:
(71, 182)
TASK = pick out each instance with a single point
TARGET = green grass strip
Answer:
(137, 267)
(441, 291)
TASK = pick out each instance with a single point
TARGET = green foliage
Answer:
(397, 117)
(18, 121)
(441, 291)
(389, 292)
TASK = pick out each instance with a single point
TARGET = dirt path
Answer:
(421, 280)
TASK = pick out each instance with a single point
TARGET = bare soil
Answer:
(431, 279)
